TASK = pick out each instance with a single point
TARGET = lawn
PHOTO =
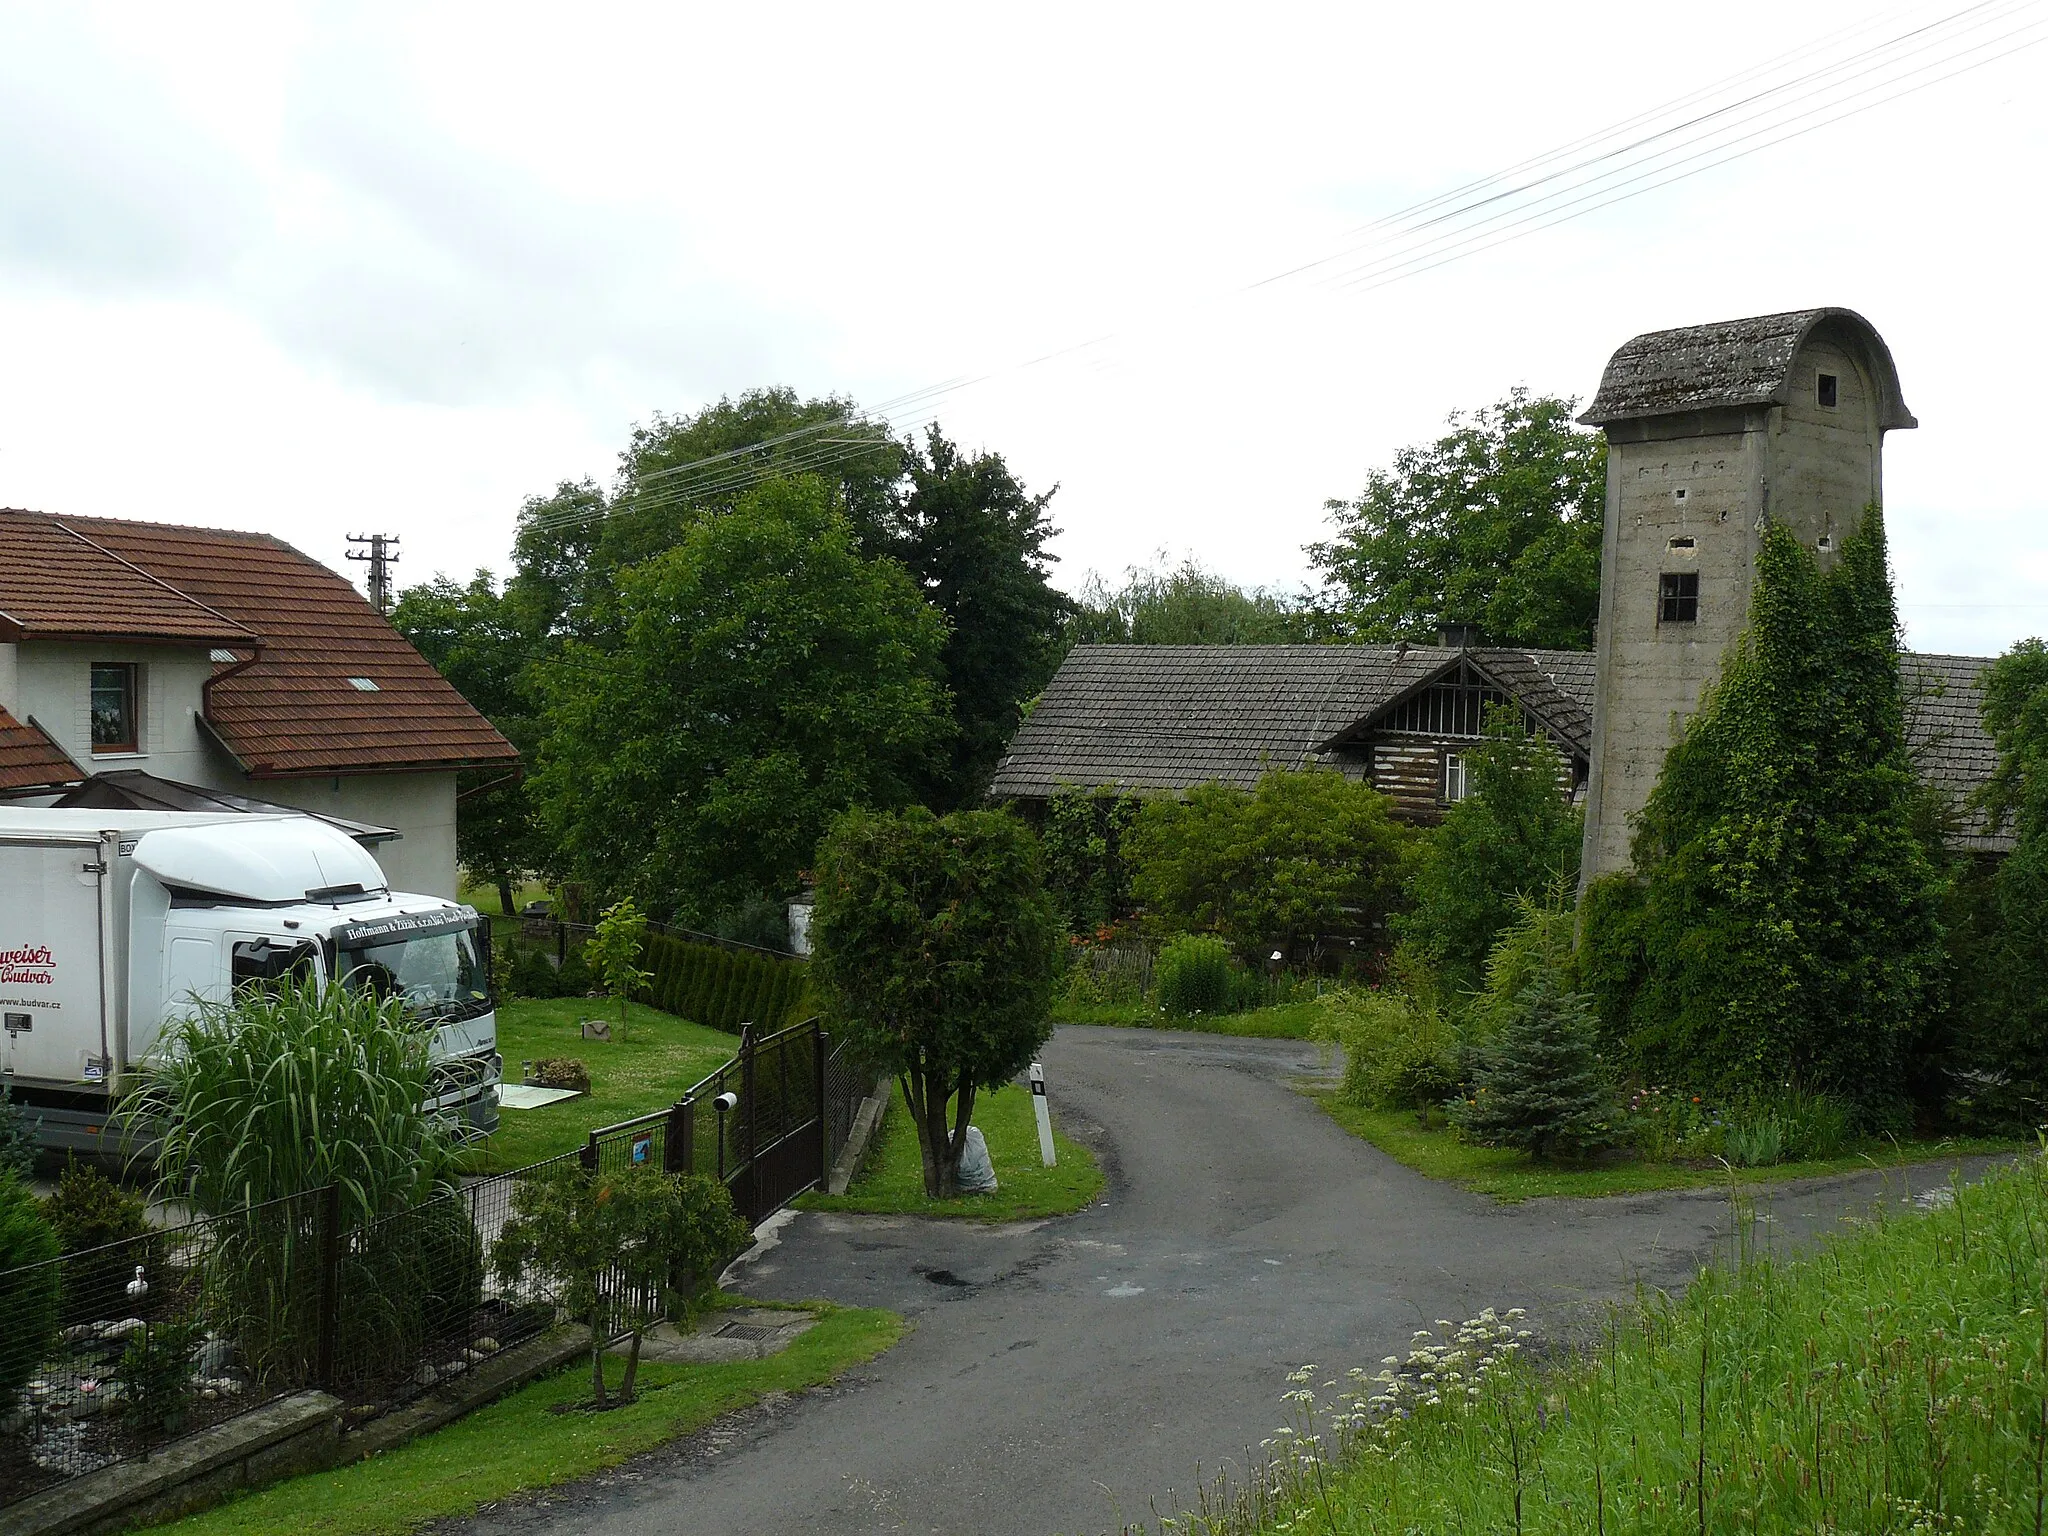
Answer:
(1286, 1021)
(660, 1057)
(892, 1183)
(1510, 1176)
(1891, 1381)
(520, 1442)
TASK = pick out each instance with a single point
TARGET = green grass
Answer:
(483, 894)
(1511, 1176)
(518, 1443)
(660, 1057)
(892, 1183)
(1894, 1381)
(1286, 1021)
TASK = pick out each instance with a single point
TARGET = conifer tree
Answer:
(1539, 1084)
(1790, 922)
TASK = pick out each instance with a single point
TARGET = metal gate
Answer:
(769, 1123)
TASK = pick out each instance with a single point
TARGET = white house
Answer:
(227, 663)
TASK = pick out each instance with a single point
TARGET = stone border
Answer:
(295, 1434)
(865, 1121)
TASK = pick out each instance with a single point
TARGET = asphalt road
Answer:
(1061, 1375)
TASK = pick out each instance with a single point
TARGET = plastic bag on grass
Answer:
(977, 1171)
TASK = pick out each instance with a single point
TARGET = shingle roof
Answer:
(56, 585)
(1945, 732)
(1162, 718)
(29, 759)
(1735, 363)
(295, 712)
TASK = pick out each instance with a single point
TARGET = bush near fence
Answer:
(723, 988)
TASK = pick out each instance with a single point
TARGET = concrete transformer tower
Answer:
(1713, 431)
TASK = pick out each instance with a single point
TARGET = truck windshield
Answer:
(439, 975)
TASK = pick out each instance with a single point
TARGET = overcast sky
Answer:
(325, 271)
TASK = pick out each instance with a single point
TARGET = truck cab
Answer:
(108, 933)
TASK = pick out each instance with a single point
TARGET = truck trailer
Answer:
(114, 924)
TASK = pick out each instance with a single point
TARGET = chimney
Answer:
(1462, 637)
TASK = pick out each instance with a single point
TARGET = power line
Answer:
(1468, 228)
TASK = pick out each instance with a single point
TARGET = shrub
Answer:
(1539, 1085)
(530, 974)
(1513, 837)
(1309, 852)
(561, 1072)
(155, 1372)
(89, 1211)
(1192, 975)
(17, 1135)
(574, 977)
(724, 988)
(621, 1247)
(1399, 1051)
(28, 1301)
(1085, 870)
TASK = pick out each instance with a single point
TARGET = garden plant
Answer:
(622, 1249)
(934, 946)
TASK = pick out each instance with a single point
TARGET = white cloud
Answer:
(322, 269)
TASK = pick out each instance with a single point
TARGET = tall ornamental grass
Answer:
(260, 1102)
(284, 1091)
(1892, 1381)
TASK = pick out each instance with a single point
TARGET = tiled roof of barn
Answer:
(1732, 363)
(1945, 731)
(29, 759)
(58, 585)
(295, 712)
(1162, 718)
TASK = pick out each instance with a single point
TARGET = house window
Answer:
(1829, 391)
(115, 717)
(1679, 597)
(1454, 777)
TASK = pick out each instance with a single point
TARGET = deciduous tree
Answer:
(767, 677)
(1496, 523)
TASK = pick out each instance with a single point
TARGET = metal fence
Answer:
(769, 1123)
(109, 1353)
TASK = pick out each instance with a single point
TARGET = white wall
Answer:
(419, 805)
(53, 682)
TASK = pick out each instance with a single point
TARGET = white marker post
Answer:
(1044, 1115)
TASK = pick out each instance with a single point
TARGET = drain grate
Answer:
(753, 1333)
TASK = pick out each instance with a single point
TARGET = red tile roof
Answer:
(294, 712)
(29, 759)
(56, 585)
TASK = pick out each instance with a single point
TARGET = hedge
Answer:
(724, 988)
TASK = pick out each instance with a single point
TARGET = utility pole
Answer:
(382, 555)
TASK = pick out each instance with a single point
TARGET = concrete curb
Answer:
(865, 1119)
(300, 1433)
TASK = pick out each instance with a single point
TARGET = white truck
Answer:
(113, 922)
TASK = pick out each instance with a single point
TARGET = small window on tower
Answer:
(1829, 391)
(1679, 597)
